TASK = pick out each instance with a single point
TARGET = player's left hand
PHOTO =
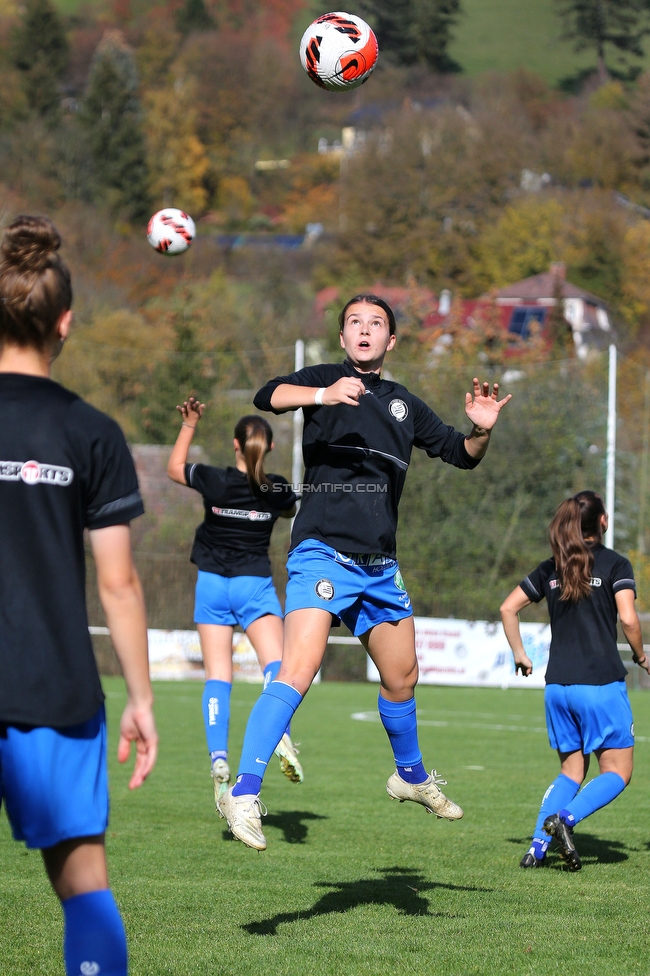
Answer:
(524, 664)
(137, 725)
(482, 407)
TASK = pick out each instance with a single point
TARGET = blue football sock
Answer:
(596, 794)
(94, 939)
(216, 716)
(561, 791)
(269, 718)
(539, 847)
(246, 784)
(270, 674)
(398, 718)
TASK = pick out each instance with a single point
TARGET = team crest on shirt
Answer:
(553, 584)
(594, 581)
(398, 409)
(324, 589)
(36, 473)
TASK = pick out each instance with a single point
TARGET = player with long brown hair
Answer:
(65, 467)
(234, 584)
(586, 587)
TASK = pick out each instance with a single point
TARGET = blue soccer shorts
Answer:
(589, 717)
(54, 782)
(238, 600)
(363, 590)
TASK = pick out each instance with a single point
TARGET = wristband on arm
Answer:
(318, 397)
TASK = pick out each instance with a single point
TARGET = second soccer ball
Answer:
(171, 231)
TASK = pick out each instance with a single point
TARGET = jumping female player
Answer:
(358, 435)
(587, 709)
(234, 584)
(64, 467)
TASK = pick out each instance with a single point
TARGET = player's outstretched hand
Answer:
(191, 410)
(348, 390)
(138, 725)
(482, 407)
(524, 664)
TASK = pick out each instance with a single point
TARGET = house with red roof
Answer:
(522, 306)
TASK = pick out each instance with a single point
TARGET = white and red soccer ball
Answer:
(171, 231)
(338, 51)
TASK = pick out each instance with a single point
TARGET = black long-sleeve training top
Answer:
(356, 458)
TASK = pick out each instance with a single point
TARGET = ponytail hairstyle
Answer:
(35, 286)
(575, 519)
(370, 300)
(255, 438)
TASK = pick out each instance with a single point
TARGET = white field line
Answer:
(485, 726)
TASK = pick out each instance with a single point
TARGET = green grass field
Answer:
(503, 35)
(352, 882)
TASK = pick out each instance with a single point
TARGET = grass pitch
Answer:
(352, 882)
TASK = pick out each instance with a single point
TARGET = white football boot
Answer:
(287, 753)
(428, 794)
(244, 815)
(220, 778)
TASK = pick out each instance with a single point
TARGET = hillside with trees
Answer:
(423, 178)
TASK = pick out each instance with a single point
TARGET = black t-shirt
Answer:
(234, 537)
(356, 458)
(583, 634)
(64, 466)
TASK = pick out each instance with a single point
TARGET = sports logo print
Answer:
(399, 582)
(324, 589)
(398, 409)
(242, 513)
(36, 473)
(89, 968)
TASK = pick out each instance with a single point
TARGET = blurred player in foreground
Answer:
(587, 708)
(64, 467)
(358, 435)
(234, 584)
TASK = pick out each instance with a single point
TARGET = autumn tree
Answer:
(111, 116)
(177, 158)
(40, 52)
(174, 379)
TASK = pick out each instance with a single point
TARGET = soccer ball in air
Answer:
(338, 51)
(171, 231)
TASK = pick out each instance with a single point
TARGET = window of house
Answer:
(523, 315)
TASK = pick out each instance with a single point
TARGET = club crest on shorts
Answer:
(324, 589)
(399, 582)
(398, 409)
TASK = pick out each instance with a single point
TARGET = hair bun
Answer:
(29, 242)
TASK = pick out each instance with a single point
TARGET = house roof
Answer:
(543, 286)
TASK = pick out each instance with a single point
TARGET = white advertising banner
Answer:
(176, 654)
(475, 652)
